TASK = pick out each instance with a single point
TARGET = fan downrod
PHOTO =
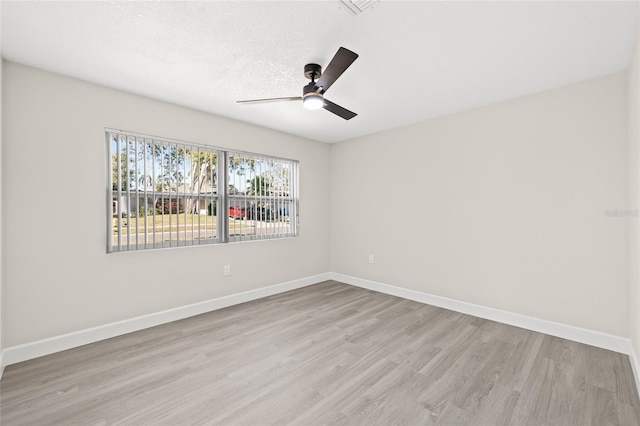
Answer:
(312, 71)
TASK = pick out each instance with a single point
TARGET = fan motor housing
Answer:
(312, 71)
(309, 88)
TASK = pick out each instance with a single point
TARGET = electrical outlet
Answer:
(227, 270)
(370, 258)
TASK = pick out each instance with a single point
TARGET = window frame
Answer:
(117, 242)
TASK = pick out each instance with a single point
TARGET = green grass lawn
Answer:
(167, 222)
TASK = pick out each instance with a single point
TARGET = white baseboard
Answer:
(15, 354)
(635, 366)
(577, 334)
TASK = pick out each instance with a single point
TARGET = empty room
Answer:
(340, 212)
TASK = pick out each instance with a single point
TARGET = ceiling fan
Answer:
(313, 93)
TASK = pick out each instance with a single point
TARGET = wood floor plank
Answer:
(325, 354)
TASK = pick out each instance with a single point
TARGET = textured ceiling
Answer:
(418, 60)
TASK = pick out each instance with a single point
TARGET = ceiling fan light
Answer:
(313, 101)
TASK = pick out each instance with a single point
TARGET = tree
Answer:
(278, 178)
(126, 180)
(170, 161)
(131, 173)
(203, 171)
(233, 190)
(241, 165)
(258, 186)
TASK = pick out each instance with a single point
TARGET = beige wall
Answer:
(502, 206)
(633, 197)
(57, 274)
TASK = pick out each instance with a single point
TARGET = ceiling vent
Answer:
(359, 6)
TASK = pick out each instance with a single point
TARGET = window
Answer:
(261, 196)
(165, 193)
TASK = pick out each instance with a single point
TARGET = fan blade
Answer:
(260, 101)
(343, 59)
(338, 110)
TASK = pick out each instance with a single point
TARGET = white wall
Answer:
(633, 197)
(502, 206)
(57, 275)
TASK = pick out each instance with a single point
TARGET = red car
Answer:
(237, 212)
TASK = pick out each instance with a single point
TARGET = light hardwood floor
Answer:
(325, 354)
